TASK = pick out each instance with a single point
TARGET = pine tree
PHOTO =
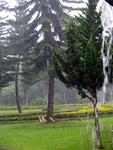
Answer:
(17, 39)
(48, 24)
(5, 69)
(45, 32)
(81, 65)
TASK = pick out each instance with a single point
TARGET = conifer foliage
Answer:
(81, 65)
(48, 21)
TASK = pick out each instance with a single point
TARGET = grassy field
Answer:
(9, 113)
(64, 135)
(78, 108)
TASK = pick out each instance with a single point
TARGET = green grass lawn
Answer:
(9, 113)
(63, 108)
(16, 112)
(64, 135)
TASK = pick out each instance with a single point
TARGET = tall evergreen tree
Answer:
(5, 69)
(16, 45)
(81, 66)
(45, 32)
(48, 23)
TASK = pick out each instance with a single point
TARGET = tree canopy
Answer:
(81, 65)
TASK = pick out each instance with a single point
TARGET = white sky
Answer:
(11, 2)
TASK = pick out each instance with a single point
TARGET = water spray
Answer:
(106, 9)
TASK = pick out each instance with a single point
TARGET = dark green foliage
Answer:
(21, 35)
(81, 65)
(6, 75)
(6, 70)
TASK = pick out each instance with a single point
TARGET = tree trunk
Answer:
(16, 88)
(97, 124)
(50, 96)
(26, 101)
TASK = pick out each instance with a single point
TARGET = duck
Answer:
(43, 119)
(40, 120)
(52, 120)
